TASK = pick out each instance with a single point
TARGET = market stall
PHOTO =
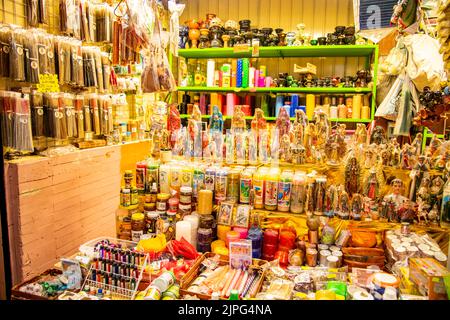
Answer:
(155, 155)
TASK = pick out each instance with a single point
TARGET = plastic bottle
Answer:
(271, 189)
(284, 191)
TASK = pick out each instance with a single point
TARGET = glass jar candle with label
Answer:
(284, 191)
(152, 175)
(298, 192)
(271, 192)
(270, 244)
(259, 187)
(161, 202)
(221, 184)
(210, 175)
(245, 186)
(128, 177)
(233, 185)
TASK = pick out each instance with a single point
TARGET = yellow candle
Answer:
(222, 232)
(357, 103)
(223, 251)
(326, 109)
(310, 105)
(365, 112)
(205, 202)
(342, 111)
(217, 244)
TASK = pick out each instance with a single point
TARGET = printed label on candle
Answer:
(221, 187)
(245, 190)
(136, 235)
(284, 194)
(209, 181)
(271, 193)
(258, 187)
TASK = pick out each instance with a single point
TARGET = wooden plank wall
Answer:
(319, 16)
(56, 204)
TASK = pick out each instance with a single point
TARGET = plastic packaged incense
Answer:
(23, 137)
(32, 8)
(84, 29)
(106, 68)
(95, 113)
(90, 13)
(37, 114)
(6, 117)
(31, 57)
(103, 22)
(90, 67)
(117, 34)
(51, 61)
(78, 103)
(69, 110)
(87, 115)
(76, 62)
(69, 20)
(43, 13)
(61, 117)
(42, 52)
(17, 59)
(98, 69)
(5, 50)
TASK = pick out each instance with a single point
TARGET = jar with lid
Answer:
(171, 221)
(204, 239)
(210, 175)
(134, 196)
(185, 195)
(206, 221)
(173, 204)
(125, 195)
(149, 207)
(150, 222)
(311, 257)
(140, 176)
(137, 226)
(152, 176)
(128, 177)
(161, 201)
(233, 186)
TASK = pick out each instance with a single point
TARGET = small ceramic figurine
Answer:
(372, 185)
(310, 141)
(319, 195)
(352, 176)
(422, 213)
(385, 157)
(259, 122)
(360, 134)
(435, 142)
(331, 201)
(357, 206)
(395, 153)
(406, 212)
(436, 188)
(419, 172)
(405, 157)
(370, 156)
(395, 196)
(433, 215)
(335, 149)
(323, 127)
(378, 135)
(216, 121)
(344, 205)
(417, 144)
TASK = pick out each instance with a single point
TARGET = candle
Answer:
(164, 178)
(193, 220)
(232, 236)
(251, 77)
(365, 112)
(279, 103)
(255, 235)
(243, 232)
(268, 82)
(287, 240)
(239, 70)
(233, 72)
(222, 232)
(357, 102)
(245, 72)
(257, 78)
(326, 109)
(217, 244)
(184, 230)
(205, 202)
(230, 104)
(210, 72)
(333, 112)
(310, 105)
(213, 101)
(263, 71)
(349, 105)
(342, 111)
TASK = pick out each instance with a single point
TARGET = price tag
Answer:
(241, 48)
(48, 83)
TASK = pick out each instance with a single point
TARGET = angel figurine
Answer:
(352, 175)
(216, 121)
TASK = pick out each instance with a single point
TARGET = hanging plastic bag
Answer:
(425, 64)
(389, 106)
(408, 106)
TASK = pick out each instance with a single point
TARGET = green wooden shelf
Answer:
(281, 52)
(187, 116)
(277, 90)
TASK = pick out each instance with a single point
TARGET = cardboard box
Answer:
(428, 274)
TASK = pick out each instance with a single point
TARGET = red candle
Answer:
(270, 244)
(283, 258)
(287, 240)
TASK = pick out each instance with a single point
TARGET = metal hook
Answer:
(115, 9)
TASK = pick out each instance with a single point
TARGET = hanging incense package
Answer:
(42, 48)
(70, 18)
(69, 110)
(105, 108)
(17, 58)
(5, 49)
(106, 67)
(98, 69)
(95, 113)
(60, 117)
(32, 8)
(43, 13)
(90, 13)
(6, 103)
(117, 40)
(37, 113)
(84, 24)
(63, 52)
(79, 115)
(23, 137)
(31, 57)
(103, 22)
(76, 62)
(89, 67)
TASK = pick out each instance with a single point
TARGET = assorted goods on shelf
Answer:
(213, 33)
(350, 106)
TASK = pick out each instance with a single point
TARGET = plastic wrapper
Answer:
(87, 115)
(6, 104)
(70, 17)
(69, 110)
(43, 11)
(5, 50)
(103, 18)
(106, 68)
(32, 12)
(90, 66)
(37, 114)
(150, 78)
(70, 61)
(95, 113)
(78, 102)
(16, 56)
(31, 52)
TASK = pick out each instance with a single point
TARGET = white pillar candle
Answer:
(210, 71)
(194, 221)
(184, 230)
(251, 77)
